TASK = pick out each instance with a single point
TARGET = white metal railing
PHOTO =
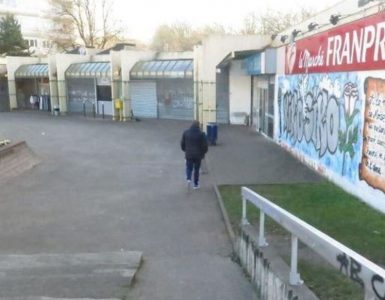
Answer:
(359, 269)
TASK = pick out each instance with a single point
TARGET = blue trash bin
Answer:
(212, 133)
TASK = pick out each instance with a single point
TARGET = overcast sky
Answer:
(142, 17)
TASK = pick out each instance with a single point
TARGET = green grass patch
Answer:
(329, 284)
(329, 209)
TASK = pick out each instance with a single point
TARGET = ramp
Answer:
(15, 159)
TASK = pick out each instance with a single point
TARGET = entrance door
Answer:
(263, 104)
(259, 102)
(222, 96)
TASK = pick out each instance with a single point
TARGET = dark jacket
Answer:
(194, 143)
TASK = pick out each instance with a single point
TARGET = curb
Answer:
(229, 228)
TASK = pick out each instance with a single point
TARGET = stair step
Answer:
(84, 275)
(50, 298)
(16, 261)
(15, 159)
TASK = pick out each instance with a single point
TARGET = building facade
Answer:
(330, 101)
(34, 20)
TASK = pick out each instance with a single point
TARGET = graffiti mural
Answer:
(320, 116)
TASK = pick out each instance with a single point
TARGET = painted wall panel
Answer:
(336, 123)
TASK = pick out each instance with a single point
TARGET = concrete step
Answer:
(49, 298)
(15, 159)
(85, 275)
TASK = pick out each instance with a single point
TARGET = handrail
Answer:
(358, 268)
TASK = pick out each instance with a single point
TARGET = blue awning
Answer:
(89, 70)
(158, 69)
(32, 71)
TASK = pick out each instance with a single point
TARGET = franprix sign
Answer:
(355, 46)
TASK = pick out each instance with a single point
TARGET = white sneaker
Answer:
(196, 187)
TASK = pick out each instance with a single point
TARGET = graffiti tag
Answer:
(315, 119)
(353, 269)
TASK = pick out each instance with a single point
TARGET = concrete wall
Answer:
(240, 93)
(268, 273)
(13, 63)
(208, 56)
(174, 55)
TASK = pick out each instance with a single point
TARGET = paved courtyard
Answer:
(104, 186)
(107, 186)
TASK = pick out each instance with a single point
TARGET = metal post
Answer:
(295, 278)
(244, 213)
(103, 110)
(261, 240)
(84, 108)
(93, 110)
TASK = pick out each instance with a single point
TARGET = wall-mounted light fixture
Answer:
(334, 19)
(363, 2)
(283, 38)
(312, 26)
(295, 32)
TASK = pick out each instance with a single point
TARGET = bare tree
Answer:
(182, 37)
(86, 21)
(273, 21)
(175, 37)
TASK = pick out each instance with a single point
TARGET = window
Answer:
(103, 92)
(46, 44)
(32, 43)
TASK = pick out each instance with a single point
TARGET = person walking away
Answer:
(194, 144)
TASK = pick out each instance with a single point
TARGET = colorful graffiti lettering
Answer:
(316, 119)
(320, 117)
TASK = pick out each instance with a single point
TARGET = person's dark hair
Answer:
(195, 124)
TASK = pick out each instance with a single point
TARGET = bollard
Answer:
(84, 108)
(93, 110)
(103, 110)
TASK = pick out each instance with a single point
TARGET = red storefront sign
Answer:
(356, 46)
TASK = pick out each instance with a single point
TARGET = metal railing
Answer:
(359, 269)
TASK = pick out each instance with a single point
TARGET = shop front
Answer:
(261, 66)
(163, 89)
(89, 88)
(32, 87)
(245, 84)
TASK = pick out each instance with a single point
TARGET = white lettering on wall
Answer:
(337, 49)
(355, 46)
(380, 41)
(307, 61)
(369, 38)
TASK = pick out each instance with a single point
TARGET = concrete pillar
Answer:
(62, 96)
(12, 93)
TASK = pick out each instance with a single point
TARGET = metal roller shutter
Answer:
(80, 90)
(143, 97)
(176, 99)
